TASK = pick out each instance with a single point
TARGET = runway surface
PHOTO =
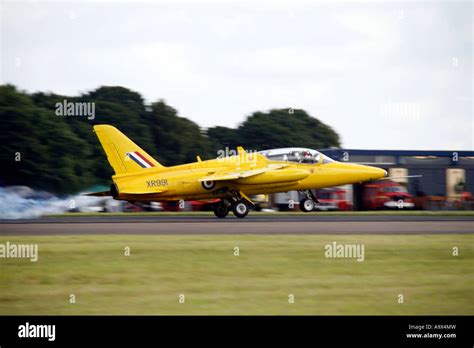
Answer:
(259, 225)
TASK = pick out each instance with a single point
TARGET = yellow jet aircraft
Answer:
(139, 177)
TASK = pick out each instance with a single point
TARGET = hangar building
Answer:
(445, 173)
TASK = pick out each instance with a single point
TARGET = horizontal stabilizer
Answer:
(98, 194)
(127, 192)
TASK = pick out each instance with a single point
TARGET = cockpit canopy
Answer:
(295, 154)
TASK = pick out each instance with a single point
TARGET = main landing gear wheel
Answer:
(240, 209)
(220, 210)
(306, 205)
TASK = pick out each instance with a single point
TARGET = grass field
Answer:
(214, 281)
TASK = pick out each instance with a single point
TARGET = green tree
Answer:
(38, 148)
(177, 139)
(61, 154)
(277, 128)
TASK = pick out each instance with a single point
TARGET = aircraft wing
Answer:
(239, 174)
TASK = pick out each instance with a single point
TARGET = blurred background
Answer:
(387, 84)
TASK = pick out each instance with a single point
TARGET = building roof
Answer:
(437, 153)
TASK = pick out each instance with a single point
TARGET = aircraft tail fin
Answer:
(123, 154)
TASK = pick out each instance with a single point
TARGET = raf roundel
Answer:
(208, 185)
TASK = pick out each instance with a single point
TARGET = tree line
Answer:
(61, 154)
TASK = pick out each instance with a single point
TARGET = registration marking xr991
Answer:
(157, 182)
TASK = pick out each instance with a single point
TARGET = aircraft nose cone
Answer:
(357, 173)
(368, 173)
(378, 173)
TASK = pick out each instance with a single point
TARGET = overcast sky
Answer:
(384, 75)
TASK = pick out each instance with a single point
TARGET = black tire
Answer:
(240, 209)
(306, 205)
(220, 210)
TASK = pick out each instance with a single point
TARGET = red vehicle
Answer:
(386, 194)
(332, 199)
(204, 205)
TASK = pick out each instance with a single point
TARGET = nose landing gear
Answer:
(307, 204)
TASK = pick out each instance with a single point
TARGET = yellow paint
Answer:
(249, 173)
